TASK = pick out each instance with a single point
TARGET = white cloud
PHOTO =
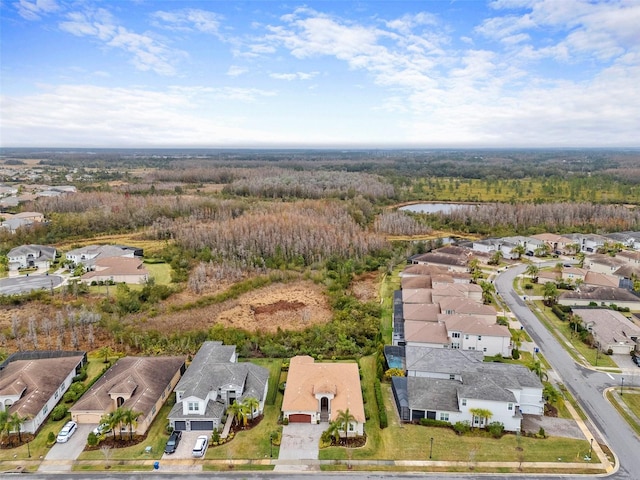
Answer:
(235, 71)
(293, 76)
(189, 19)
(99, 116)
(34, 9)
(147, 52)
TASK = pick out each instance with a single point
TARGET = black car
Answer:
(636, 360)
(173, 442)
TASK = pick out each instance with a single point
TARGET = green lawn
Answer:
(389, 284)
(38, 447)
(161, 272)
(632, 399)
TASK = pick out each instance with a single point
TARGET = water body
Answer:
(433, 207)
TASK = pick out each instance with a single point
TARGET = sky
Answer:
(319, 74)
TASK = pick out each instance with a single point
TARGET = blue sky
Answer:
(155, 73)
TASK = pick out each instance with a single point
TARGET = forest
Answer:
(228, 223)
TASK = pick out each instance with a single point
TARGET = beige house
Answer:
(117, 270)
(557, 243)
(610, 329)
(316, 392)
(141, 384)
(33, 383)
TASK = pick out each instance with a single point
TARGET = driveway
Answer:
(300, 441)
(185, 446)
(71, 449)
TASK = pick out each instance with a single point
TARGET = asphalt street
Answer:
(586, 385)
(23, 283)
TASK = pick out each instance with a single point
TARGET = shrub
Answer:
(462, 427)
(430, 422)
(541, 433)
(92, 439)
(59, 412)
(496, 429)
(528, 286)
(515, 354)
(382, 413)
(51, 438)
(285, 421)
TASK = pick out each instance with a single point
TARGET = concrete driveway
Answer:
(185, 446)
(74, 447)
(300, 441)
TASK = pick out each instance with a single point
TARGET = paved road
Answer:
(586, 385)
(23, 284)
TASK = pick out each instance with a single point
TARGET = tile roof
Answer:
(307, 378)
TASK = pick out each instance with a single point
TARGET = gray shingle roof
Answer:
(441, 360)
(433, 394)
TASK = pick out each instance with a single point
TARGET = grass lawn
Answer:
(253, 443)
(38, 447)
(632, 399)
(390, 283)
(563, 328)
(161, 272)
(632, 403)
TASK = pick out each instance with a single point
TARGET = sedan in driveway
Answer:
(66, 432)
(173, 441)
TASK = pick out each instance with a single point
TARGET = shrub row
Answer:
(382, 413)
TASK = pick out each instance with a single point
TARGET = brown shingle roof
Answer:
(37, 380)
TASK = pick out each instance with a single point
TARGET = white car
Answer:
(200, 448)
(65, 434)
(102, 429)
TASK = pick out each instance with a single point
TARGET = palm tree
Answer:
(344, 420)
(539, 369)
(129, 418)
(105, 352)
(109, 419)
(533, 270)
(519, 250)
(4, 420)
(488, 289)
(574, 247)
(15, 424)
(239, 412)
(496, 257)
(550, 293)
(251, 404)
(482, 414)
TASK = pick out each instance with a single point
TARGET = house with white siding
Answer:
(31, 256)
(448, 385)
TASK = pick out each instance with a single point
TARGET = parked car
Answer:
(636, 360)
(200, 448)
(174, 440)
(102, 429)
(65, 434)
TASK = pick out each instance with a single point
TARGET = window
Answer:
(464, 402)
(466, 337)
(193, 406)
(455, 345)
(484, 349)
(510, 406)
(452, 376)
(153, 410)
(479, 337)
(45, 409)
(444, 417)
(351, 427)
(455, 335)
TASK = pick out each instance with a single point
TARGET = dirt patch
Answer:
(291, 306)
(366, 287)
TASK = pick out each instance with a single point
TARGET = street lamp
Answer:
(431, 449)
(621, 385)
(590, 448)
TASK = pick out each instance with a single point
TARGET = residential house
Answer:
(417, 295)
(603, 263)
(610, 329)
(117, 270)
(630, 256)
(445, 275)
(451, 258)
(628, 239)
(627, 276)
(468, 332)
(13, 224)
(317, 392)
(448, 385)
(459, 290)
(141, 384)
(589, 243)
(601, 296)
(32, 383)
(453, 306)
(31, 256)
(556, 243)
(213, 382)
(89, 255)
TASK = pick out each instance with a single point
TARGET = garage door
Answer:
(201, 425)
(299, 418)
(180, 425)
